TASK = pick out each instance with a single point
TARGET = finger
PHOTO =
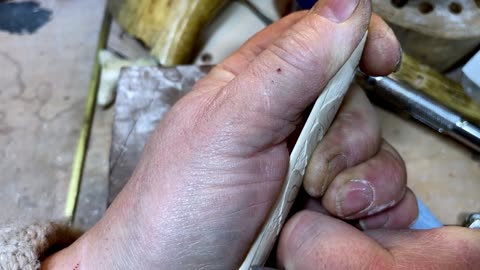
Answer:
(237, 62)
(269, 96)
(305, 202)
(353, 138)
(368, 188)
(401, 216)
(314, 241)
(382, 53)
(443, 248)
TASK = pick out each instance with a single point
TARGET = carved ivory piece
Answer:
(318, 122)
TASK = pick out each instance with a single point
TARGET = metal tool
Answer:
(471, 77)
(473, 221)
(422, 108)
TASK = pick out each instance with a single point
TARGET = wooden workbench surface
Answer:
(444, 174)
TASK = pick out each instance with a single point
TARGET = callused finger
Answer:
(271, 94)
(353, 138)
(382, 53)
(368, 188)
(450, 247)
(311, 240)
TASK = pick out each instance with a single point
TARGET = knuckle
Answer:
(295, 48)
(289, 52)
(357, 134)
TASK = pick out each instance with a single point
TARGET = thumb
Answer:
(311, 240)
(449, 247)
(279, 84)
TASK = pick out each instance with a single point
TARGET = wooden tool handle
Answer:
(440, 88)
(317, 124)
(170, 28)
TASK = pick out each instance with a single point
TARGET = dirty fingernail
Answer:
(335, 10)
(374, 222)
(354, 197)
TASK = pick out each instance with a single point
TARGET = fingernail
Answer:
(375, 222)
(335, 10)
(354, 197)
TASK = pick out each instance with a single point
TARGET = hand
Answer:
(214, 166)
(311, 240)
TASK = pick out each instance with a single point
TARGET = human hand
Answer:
(214, 166)
(311, 240)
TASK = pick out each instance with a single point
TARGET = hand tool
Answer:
(471, 77)
(473, 221)
(438, 87)
(422, 108)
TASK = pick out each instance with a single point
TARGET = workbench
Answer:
(43, 86)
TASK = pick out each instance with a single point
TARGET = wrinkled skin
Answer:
(214, 166)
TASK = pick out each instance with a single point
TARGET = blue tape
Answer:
(426, 220)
